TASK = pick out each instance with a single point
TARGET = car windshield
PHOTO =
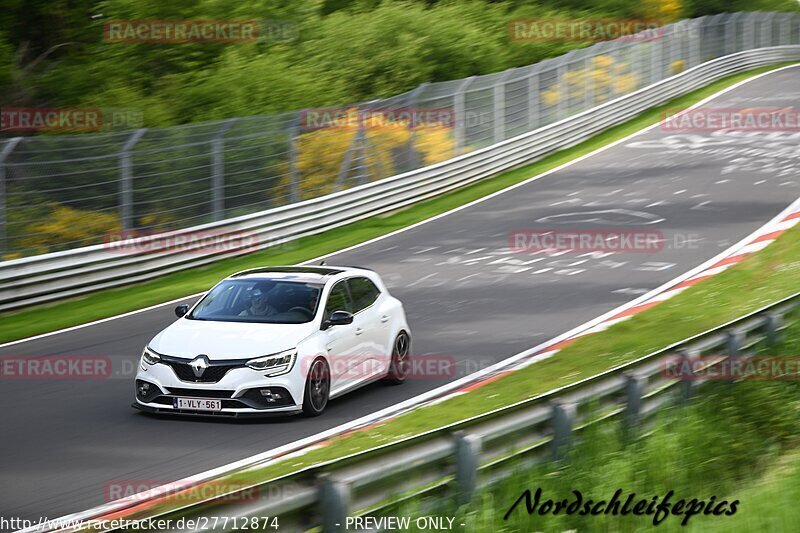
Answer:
(259, 300)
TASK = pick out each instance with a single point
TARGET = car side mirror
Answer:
(338, 318)
(181, 310)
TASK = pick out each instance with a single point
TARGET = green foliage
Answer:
(324, 52)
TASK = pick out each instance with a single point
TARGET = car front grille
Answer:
(212, 374)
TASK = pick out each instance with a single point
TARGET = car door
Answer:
(369, 325)
(344, 344)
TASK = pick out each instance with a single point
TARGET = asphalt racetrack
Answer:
(467, 295)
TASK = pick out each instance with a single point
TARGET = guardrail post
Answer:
(774, 323)
(563, 417)
(733, 342)
(7, 149)
(634, 388)
(126, 180)
(467, 454)
(460, 130)
(218, 170)
(687, 384)
(334, 500)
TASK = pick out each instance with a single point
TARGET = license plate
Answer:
(197, 404)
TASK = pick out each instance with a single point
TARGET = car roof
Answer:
(307, 274)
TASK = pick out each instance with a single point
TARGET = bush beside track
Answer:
(103, 304)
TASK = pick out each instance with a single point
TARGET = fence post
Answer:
(588, 91)
(334, 501)
(695, 33)
(467, 454)
(774, 323)
(7, 149)
(731, 34)
(218, 170)
(461, 116)
(562, 69)
(655, 57)
(499, 108)
(749, 32)
(563, 417)
(347, 160)
(634, 388)
(533, 99)
(126, 180)
(413, 98)
(784, 31)
(766, 30)
(294, 173)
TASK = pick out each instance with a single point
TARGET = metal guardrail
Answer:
(168, 178)
(456, 460)
(57, 275)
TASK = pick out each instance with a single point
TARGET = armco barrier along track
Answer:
(453, 461)
(52, 276)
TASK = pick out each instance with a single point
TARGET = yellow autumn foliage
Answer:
(67, 225)
(321, 153)
(663, 10)
(604, 78)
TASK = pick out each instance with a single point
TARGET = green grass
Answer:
(70, 312)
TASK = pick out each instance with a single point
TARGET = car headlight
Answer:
(150, 357)
(275, 364)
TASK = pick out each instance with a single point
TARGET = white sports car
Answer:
(276, 340)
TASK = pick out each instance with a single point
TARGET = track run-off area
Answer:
(469, 295)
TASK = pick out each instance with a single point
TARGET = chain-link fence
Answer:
(60, 192)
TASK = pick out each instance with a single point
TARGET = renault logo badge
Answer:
(199, 365)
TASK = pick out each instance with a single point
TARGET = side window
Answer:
(338, 300)
(364, 293)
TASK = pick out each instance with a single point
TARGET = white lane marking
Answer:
(428, 249)
(446, 213)
(420, 280)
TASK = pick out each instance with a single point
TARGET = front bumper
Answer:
(243, 392)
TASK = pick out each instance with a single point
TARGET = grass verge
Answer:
(735, 442)
(102, 304)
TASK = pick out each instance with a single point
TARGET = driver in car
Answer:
(259, 305)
